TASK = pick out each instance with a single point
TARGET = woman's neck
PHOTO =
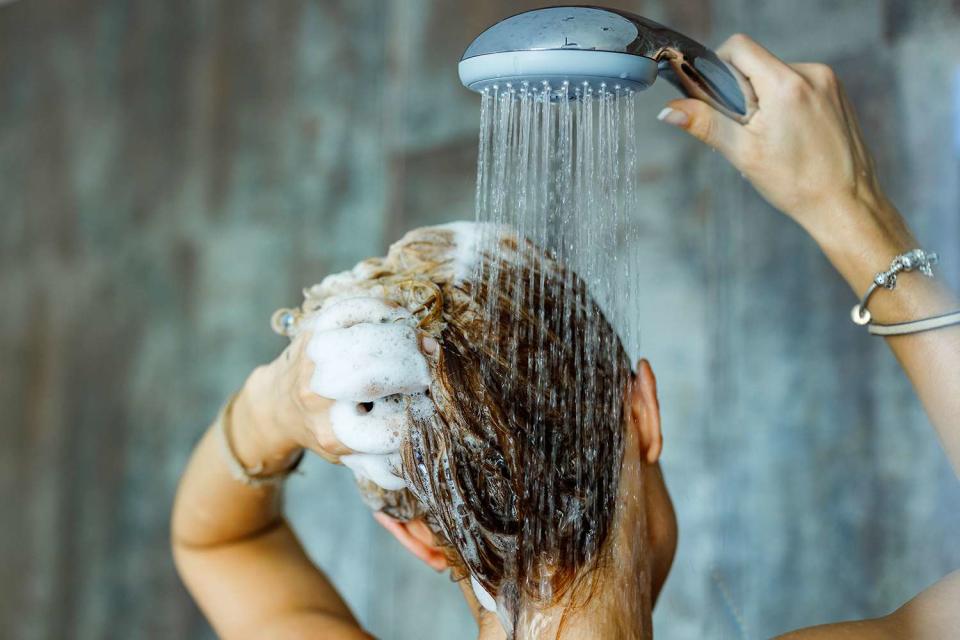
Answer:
(608, 616)
(620, 607)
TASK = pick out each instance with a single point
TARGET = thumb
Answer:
(703, 122)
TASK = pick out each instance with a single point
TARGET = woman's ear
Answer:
(416, 536)
(645, 412)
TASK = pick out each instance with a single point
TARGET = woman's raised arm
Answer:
(234, 551)
(803, 151)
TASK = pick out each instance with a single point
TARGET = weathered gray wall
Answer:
(171, 172)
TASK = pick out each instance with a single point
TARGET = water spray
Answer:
(558, 166)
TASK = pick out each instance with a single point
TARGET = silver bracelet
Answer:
(915, 326)
(250, 477)
(918, 259)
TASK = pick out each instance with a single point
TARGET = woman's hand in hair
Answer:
(802, 149)
(358, 349)
(282, 414)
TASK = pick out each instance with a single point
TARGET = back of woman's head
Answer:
(517, 470)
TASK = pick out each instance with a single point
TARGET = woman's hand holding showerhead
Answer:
(802, 150)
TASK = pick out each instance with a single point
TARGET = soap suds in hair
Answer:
(341, 312)
(376, 427)
(382, 470)
(466, 237)
(367, 359)
(373, 360)
(485, 599)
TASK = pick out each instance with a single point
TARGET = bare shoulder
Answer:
(934, 614)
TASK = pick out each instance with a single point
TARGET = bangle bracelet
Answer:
(915, 326)
(918, 259)
(250, 477)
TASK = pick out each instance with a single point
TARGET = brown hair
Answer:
(519, 468)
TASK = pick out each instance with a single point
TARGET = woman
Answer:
(477, 514)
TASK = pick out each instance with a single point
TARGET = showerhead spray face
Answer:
(564, 48)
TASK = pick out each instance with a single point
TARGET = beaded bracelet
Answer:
(918, 260)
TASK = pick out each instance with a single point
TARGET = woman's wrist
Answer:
(258, 438)
(860, 237)
(846, 216)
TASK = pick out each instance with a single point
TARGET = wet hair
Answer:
(518, 470)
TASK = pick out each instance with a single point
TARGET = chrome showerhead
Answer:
(565, 47)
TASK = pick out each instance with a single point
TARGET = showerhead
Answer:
(565, 47)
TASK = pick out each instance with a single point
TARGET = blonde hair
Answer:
(521, 489)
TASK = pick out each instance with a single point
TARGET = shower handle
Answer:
(694, 69)
(700, 74)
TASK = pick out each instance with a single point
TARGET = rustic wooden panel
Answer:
(172, 172)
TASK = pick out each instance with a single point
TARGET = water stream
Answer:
(559, 169)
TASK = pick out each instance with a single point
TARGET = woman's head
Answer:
(517, 470)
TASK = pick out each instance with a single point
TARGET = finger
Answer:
(762, 68)
(351, 311)
(310, 401)
(819, 76)
(385, 471)
(821, 83)
(329, 457)
(295, 350)
(368, 361)
(374, 427)
(325, 442)
(704, 123)
(429, 345)
(825, 80)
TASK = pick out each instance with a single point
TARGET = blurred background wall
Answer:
(171, 172)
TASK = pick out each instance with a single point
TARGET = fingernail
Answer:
(430, 345)
(674, 117)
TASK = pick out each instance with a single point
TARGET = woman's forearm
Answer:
(212, 507)
(803, 151)
(861, 239)
(237, 556)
